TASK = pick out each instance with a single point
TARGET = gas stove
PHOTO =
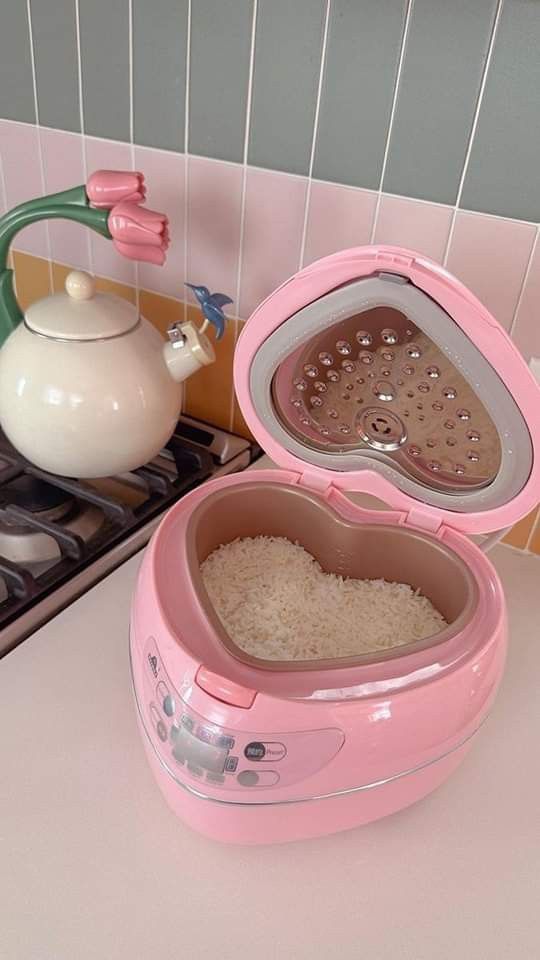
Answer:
(59, 536)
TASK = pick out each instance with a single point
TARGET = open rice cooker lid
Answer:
(374, 370)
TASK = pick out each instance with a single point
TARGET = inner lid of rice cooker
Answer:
(375, 370)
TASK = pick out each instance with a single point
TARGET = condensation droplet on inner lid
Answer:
(333, 414)
(300, 384)
(459, 469)
(433, 372)
(387, 355)
(348, 366)
(434, 465)
(408, 369)
(451, 442)
(423, 387)
(438, 407)
(310, 370)
(463, 414)
(384, 390)
(343, 347)
(413, 450)
(316, 401)
(473, 456)
(413, 351)
(473, 435)
(320, 387)
(450, 393)
(385, 371)
(449, 424)
(333, 375)
(364, 338)
(365, 357)
(326, 359)
(344, 428)
(389, 336)
(431, 443)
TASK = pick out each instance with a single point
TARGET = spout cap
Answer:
(187, 351)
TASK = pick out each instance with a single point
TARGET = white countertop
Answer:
(93, 864)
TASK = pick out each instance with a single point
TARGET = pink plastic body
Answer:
(400, 734)
(250, 755)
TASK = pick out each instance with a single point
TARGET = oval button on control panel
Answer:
(248, 778)
(256, 778)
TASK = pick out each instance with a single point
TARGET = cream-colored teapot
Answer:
(88, 388)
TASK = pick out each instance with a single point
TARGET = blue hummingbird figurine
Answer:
(212, 307)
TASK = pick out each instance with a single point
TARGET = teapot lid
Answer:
(80, 313)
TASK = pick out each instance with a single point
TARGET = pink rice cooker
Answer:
(372, 372)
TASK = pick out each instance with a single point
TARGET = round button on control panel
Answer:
(255, 750)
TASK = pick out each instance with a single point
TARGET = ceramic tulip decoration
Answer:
(87, 386)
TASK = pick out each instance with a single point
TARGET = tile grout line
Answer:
(186, 157)
(82, 123)
(307, 202)
(245, 152)
(524, 281)
(38, 130)
(401, 59)
(187, 103)
(472, 134)
(131, 132)
(186, 154)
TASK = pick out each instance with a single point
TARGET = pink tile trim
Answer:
(274, 216)
(109, 155)
(63, 168)
(339, 217)
(19, 147)
(490, 256)
(413, 224)
(164, 174)
(214, 209)
(526, 332)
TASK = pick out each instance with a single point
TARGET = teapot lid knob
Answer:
(80, 285)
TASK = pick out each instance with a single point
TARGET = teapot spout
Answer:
(187, 351)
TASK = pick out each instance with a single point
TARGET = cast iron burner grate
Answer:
(35, 502)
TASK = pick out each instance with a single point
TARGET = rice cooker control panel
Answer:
(232, 760)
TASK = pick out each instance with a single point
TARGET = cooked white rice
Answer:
(276, 603)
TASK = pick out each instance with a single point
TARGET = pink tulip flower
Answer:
(105, 188)
(138, 233)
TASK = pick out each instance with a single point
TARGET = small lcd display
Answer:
(189, 749)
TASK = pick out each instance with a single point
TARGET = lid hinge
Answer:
(315, 481)
(424, 519)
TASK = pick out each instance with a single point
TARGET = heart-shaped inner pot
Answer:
(349, 548)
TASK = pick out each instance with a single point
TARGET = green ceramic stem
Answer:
(68, 205)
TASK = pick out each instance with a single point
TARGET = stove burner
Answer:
(37, 496)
